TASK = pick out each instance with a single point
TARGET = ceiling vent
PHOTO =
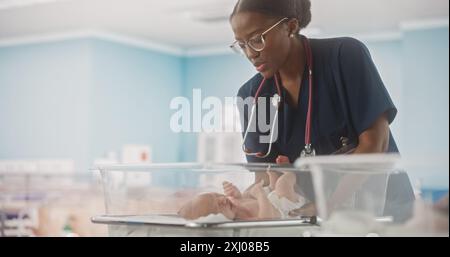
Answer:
(208, 12)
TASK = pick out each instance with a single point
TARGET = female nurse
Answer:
(332, 96)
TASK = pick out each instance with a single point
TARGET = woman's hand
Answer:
(281, 159)
(306, 210)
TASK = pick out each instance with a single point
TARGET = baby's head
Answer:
(206, 204)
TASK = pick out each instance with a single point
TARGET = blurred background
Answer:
(85, 82)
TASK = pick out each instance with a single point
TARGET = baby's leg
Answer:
(285, 186)
(273, 177)
(230, 189)
(266, 208)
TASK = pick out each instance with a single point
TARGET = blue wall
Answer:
(426, 125)
(80, 98)
(220, 76)
(131, 92)
(44, 100)
(426, 103)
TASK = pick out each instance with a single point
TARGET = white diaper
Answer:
(213, 218)
(284, 205)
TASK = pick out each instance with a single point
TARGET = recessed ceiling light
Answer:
(207, 12)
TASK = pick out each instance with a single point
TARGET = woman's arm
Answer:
(376, 138)
(373, 140)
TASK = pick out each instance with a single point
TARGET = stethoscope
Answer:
(276, 100)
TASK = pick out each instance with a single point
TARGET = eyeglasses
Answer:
(257, 43)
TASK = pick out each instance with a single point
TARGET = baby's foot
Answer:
(231, 190)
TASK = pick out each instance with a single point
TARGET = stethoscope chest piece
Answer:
(276, 100)
(308, 151)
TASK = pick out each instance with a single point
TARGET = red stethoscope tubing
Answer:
(309, 63)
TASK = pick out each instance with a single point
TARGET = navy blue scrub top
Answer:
(348, 97)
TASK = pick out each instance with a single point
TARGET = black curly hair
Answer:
(298, 9)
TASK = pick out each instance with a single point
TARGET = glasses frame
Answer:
(235, 46)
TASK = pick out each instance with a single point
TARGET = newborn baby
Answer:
(258, 202)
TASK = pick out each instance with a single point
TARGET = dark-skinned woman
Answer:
(332, 95)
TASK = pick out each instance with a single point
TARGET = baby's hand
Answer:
(231, 190)
(257, 190)
(243, 210)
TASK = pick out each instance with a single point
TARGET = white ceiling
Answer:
(179, 22)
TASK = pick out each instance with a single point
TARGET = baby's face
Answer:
(206, 204)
